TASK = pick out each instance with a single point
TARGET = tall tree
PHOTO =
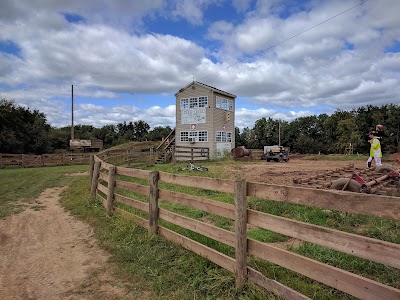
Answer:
(22, 130)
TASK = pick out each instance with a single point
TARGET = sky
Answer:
(127, 59)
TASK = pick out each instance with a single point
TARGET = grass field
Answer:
(168, 271)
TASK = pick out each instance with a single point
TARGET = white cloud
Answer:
(247, 117)
(339, 64)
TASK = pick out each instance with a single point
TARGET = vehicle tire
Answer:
(353, 185)
(384, 169)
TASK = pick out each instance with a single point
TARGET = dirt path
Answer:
(45, 253)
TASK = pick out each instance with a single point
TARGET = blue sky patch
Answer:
(10, 47)
(394, 48)
(73, 18)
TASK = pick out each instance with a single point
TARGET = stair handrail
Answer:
(166, 139)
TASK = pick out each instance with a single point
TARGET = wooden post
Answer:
(241, 232)
(173, 155)
(95, 179)
(91, 168)
(153, 202)
(191, 155)
(110, 194)
(23, 160)
(1, 161)
(152, 160)
(42, 160)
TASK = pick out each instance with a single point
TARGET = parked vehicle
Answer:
(275, 153)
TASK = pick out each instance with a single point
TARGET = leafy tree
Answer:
(22, 130)
(140, 129)
(158, 133)
(348, 134)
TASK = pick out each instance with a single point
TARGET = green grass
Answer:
(163, 268)
(21, 185)
(168, 271)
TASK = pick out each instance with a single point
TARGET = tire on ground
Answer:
(383, 169)
(353, 185)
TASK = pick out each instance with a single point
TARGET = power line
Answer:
(292, 37)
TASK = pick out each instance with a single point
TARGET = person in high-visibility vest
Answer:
(375, 152)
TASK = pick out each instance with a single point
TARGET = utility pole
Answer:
(72, 115)
(279, 132)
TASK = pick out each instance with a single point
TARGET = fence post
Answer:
(23, 160)
(110, 194)
(42, 160)
(1, 161)
(91, 168)
(153, 202)
(95, 179)
(240, 232)
(191, 155)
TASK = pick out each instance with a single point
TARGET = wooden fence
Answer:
(184, 153)
(26, 160)
(105, 178)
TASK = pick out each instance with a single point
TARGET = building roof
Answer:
(206, 86)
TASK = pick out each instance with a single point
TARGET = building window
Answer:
(203, 136)
(184, 103)
(195, 136)
(223, 103)
(223, 137)
(203, 101)
(194, 102)
(184, 136)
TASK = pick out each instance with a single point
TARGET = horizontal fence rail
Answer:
(185, 153)
(105, 177)
(27, 160)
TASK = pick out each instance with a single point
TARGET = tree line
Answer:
(25, 131)
(327, 133)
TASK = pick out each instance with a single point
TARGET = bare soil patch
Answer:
(283, 173)
(45, 253)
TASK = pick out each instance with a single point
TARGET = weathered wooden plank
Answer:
(216, 257)
(103, 200)
(95, 179)
(132, 202)
(103, 176)
(381, 206)
(133, 172)
(240, 233)
(110, 192)
(274, 286)
(153, 202)
(135, 187)
(215, 184)
(105, 165)
(129, 216)
(211, 206)
(216, 233)
(368, 248)
(102, 188)
(345, 281)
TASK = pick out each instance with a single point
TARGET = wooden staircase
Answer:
(164, 151)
